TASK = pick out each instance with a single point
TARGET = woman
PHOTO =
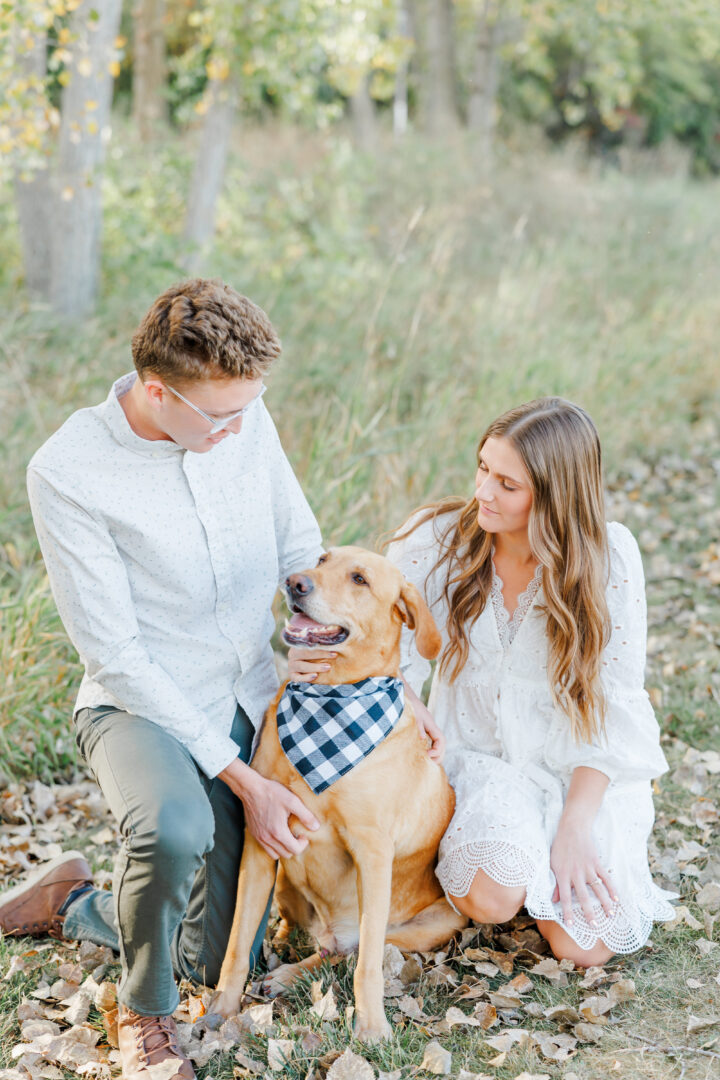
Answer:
(551, 738)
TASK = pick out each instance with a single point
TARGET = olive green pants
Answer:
(175, 881)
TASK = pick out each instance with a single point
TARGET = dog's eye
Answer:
(359, 579)
(322, 559)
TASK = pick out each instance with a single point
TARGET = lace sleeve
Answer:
(630, 748)
(416, 555)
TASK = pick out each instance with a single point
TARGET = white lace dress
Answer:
(510, 754)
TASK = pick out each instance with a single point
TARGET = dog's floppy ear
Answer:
(415, 613)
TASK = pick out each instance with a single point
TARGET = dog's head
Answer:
(354, 603)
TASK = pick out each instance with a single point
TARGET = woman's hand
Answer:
(304, 665)
(575, 863)
(426, 724)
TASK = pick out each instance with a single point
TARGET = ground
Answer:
(491, 1003)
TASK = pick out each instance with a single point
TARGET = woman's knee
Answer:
(488, 902)
(565, 948)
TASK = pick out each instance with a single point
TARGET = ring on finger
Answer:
(595, 881)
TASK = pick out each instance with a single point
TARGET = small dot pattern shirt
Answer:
(164, 564)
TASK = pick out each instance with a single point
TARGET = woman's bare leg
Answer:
(488, 902)
(564, 948)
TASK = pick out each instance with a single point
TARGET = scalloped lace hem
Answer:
(624, 931)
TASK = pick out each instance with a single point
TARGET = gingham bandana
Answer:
(326, 730)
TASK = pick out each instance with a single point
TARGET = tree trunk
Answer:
(483, 87)
(439, 98)
(362, 111)
(149, 104)
(33, 192)
(400, 97)
(85, 115)
(209, 172)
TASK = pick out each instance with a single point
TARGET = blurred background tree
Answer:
(621, 76)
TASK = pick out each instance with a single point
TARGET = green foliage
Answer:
(414, 303)
(610, 69)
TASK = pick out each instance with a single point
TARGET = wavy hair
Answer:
(560, 450)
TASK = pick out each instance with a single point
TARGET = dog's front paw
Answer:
(372, 1031)
(225, 1003)
(281, 979)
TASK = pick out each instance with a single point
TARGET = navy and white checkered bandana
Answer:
(326, 730)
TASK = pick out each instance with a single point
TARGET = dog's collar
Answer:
(325, 731)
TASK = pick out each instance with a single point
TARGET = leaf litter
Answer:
(493, 979)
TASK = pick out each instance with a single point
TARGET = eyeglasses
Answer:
(215, 424)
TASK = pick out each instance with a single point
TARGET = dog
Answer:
(366, 877)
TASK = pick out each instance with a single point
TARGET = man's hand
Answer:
(268, 807)
(304, 664)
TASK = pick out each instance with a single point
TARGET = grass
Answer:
(416, 302)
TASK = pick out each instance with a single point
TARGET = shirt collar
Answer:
(114, 416)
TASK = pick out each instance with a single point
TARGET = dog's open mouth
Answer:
(302, 630)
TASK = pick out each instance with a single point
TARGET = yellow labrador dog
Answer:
(367, 875)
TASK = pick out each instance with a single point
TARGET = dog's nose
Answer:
(299, 584)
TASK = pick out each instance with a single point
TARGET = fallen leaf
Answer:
(455, 1016)
(486, 1014)
(708, 897)
(350, 1066)
(505, 1040)
(279, 1053)
(556, 1047)
(436, 1059)
(248, 1064)
(622, 990)
(587, 1032)
(325, 1008)
(699, 1023)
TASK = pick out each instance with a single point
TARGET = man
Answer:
(166, 517)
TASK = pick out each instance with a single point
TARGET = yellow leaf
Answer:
(64, 78)
(92, 127)
(67, 194)
(217, 68)
(120, 42)
(63, 36)
(84, 66)
(202, 107)
(114, 68)
(90, 105)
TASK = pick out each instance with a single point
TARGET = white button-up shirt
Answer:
(164, 564)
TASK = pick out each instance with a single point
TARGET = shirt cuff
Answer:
(213, 753)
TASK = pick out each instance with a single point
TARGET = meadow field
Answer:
(416, 300)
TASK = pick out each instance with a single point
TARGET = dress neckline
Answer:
(507, 624)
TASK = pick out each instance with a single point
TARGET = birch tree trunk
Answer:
(439, 98)
(484, 85)
(400, 97)
(33, 190)
(85, 114)
(362, 111)
(209, 171)
(493, 31)
(149, 105)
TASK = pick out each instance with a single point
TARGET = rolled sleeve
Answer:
(91, 589)
(629, 748)
(416, 556)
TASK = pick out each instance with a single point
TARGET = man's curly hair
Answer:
(203, 328)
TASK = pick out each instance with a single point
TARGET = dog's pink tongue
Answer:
(302, 622)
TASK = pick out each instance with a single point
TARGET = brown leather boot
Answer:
(33, 908)
(145, 1041)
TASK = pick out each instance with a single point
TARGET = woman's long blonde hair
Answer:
(560, 450)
